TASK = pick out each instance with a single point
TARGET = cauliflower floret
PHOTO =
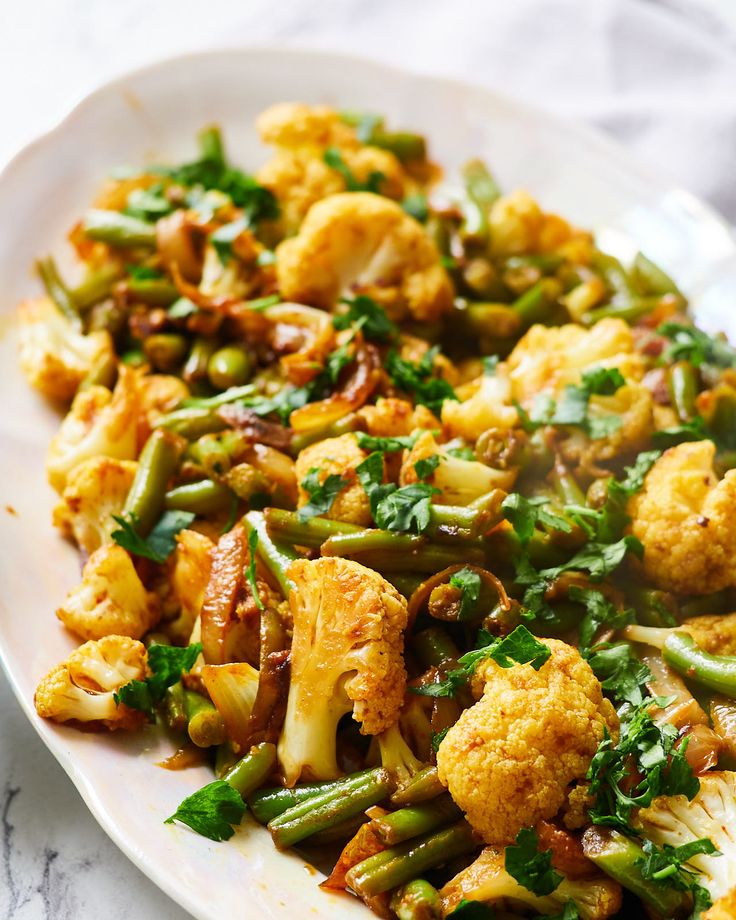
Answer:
(715, 634)
(684, 518)
(723, 909)
(392, 417)
(486, 880)
(518, 225)
(633, 405)
(549, 357)
(98, 423)
(363, 243)
(159, 394)
(54, 356)
(298, 174)
(189, 574)
(346, 656)
(488, 406)
(341, 456)
(95, 490)
(111, 599)
(509, 759)
(81, 688)
(459, 481)
(675, 821)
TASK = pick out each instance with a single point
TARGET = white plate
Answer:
(154, 114)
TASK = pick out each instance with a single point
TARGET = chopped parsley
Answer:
(386, 445)
(688, 343)
(148, 203)
(334, 159)
(166, 663)
(418, 380)
(519, 647)
(599, 611)
(525, 514)
(573, 407)
(425, 467)
(211, 811)
(161, 541)
(321, 494)
(620, 672)
(531, 867)
(665, 866)
(364, 313)
(467, 581)
(438, 738)
(407, 509)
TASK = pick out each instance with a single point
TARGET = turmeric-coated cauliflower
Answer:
(298, 174)
(159, 394)
(518, 225)
(98, 423)
(189, 574)
(549, 357)
(111, 599)
(81, 688)
(337, 456)
(392, 417)
(487, 406)
(360, 243)
(714, 634)
(487, 881)
(54, 356)
(95, 490)
(684, 518)
(509, 759)
(346, 656)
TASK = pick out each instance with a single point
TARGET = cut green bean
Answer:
(155, 292)
(399, 865)
(481, 191)
(417, 900)
(203, 497)
(252, 769)
(401, 825)
(118, 229)
(205, 724)
(96, 286)
(422, 787)
(650, 278)
(191, 423)
(267, 804)
(716, 672)
(175, 707)
(276, 554)
(195, 367)
(57, 291)
(404, 145)
(534, 305)
(221, 399)
(387, 551)
(433, 647)
(683, 386)
(156, 465)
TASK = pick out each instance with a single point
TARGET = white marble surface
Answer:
(657, 73)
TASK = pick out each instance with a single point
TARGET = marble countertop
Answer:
(610, 63)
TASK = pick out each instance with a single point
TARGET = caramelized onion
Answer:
(254, 427)
(421, 595)
(177, 245)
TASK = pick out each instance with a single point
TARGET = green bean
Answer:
(422, 787)
(156, 465)
(390, 552)
(399, 865)
(566, 486)
(433, 647)
(716, 672)
(722, 417)
(650, 278)
(210, 143)
(102, 372)
(155, 292)
(57, 291)
(312, 533)
(175, 707)
(344, 425)
(417, 900)
(495, 320)
(165, 350)
(191, 423)
(405, 583)
(267, 804)
(118, 229)
(96, 286)
(203, 497)
(195, 367)
(534, 305)
(252, 769)
(628, 310)
(622, 858)
(683, 386)
(653, 607)
(404, 145)
(231, 366)
(221, 399)
(717, 603)
(614, 274)
(276, 555)
(330, 808)
(204, 723)
(341, 832)
(481, 191)
(397, 826)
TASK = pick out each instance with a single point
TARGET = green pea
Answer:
(165, 350)
(230, 366)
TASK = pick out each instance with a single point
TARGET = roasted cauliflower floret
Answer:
(549, 357)
(159, 394)
(346, 656)
(509, 759)
(362, 243)
(54, 356)
(392, 417)
(339, 456)
(99, 423)
(81, 688)
(110, 600)
(715, 634)
(459, 481)
(95, 490)
(684, 518)
(711, 814)
(632, 405)
(486, 880)
(488, 406)
(189, 574)
(298, 174)
(518, 225)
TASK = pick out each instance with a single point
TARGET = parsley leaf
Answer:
(425, 467)
(438, 738)
(598, 611)
(211, 811)
(472, 910)
(250, 571)
(386, 445)
(573, 406)
(519, 647)
(364, 313)
(143, 273)
(370, 476)
(148, 203)
(283, 403)
(406, 509)
(468, 582)
(692, 430)
(665, 866)
(321, 494)
(524, 514)
(619, 671)
(161, 541)
(333, 158)
(166, 663)
(692, 344)
(530, 867)
(417, 379)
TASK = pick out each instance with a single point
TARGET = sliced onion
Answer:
(176, 244)
(684, 708)
(703, 748)
(233, 688)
